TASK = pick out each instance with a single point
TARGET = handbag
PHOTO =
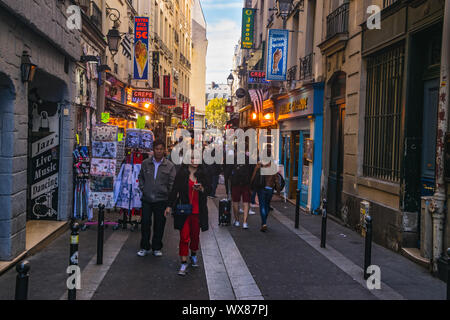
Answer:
(184, 209)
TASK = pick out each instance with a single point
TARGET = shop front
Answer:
(300, 120)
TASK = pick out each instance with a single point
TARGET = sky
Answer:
(223, 18)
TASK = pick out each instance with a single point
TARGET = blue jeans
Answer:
(264, 197)
(253, 200)
(214, 183)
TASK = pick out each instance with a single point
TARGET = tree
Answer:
(215, 113)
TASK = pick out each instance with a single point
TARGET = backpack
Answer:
(239, 175)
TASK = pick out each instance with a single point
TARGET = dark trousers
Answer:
(155, 209)
(214, 183)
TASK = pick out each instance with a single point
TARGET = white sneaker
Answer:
(236, 223)
(143, 252)
(245, 225)
(183, 269)
(157, 253)
(251, 212)
(253, 205)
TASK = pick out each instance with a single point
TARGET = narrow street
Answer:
(235, 264)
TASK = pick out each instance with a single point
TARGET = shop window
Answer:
(382, 149)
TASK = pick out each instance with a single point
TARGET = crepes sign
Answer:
(277, 50)
(141, 25)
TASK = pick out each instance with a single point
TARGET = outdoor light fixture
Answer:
(230, 80)
(89, 59)
(284, 8)
(254, 116)
(147, 105)
(114, 38)
(27, 68)
(103, 67)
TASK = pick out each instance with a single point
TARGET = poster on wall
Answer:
(141, 25)
(277, 50)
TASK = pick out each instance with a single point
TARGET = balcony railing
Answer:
(337, 21)
(96, 16)
(306, 64)
(387, 3)
(292, 74)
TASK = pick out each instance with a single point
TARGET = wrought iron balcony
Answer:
(337, 21)
(292, 74)
(306, 64)
(387, 3)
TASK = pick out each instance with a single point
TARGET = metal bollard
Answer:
(22, 280)
(297, 209)
(448, 273)
(73, 258)
(100, 233)
(323, 235)
(368, 248)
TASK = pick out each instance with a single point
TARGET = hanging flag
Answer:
(141, 25)
(258, 96)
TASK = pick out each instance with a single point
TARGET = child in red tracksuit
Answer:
(191, 186)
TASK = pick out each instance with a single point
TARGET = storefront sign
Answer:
(114, 88)
(248, 19)
(192, 116)
(143, 96)
(167, 90)
(277, 55)
(44, 144)
(141, 25)
(298, 104)
(257, 77)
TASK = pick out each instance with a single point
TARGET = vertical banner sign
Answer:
(141, 48)
(185, 111)
(248, 19)
(192, 116)
(167, 90)
(155, 64)
(277, 49)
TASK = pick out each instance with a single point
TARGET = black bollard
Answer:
(297, 209)
(73, 258)
(323, 235)
(100, 233)
(368, 248)
(448, 273)
(22, 280)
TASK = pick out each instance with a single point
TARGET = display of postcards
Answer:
(102, 184)
(146, 141)
(103, 167)
(104, 133)
(133, 138)
(105, 198)
(102, 149)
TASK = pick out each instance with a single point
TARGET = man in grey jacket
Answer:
(155, 181)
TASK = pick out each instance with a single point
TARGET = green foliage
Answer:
(215, 112)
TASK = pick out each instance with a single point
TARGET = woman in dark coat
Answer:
(191, 186)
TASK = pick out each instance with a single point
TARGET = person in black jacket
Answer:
(191, 186)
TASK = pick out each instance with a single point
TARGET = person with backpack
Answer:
(264, 186)
(240, 188)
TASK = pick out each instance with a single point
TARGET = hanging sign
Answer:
(140, 123)
(167, 91)
(105, 117)
(142, 96)
(257, 77)
(277, 50)
(141, 26)
(185, 111)
(248, 19)
(192, 116)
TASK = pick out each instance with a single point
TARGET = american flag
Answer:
(258, 96)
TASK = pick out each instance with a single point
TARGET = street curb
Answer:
(38, 247)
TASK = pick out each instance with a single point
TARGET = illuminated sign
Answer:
(142, 96)
(300, 104)
(257, 77)
(141, 26)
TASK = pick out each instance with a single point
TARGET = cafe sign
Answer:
(139, 96)
(298, 104)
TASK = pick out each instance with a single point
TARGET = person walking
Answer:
(156, 180)
(264, 186)
(191, 188)
(240, 188)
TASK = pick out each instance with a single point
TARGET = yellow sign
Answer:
(105, 117)
(78, 138)
(296, 105)
(73, 239)
(120, 136)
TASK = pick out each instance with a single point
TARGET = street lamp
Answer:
(113, 40)
(27, 68)
(284, 8)
(230, 81)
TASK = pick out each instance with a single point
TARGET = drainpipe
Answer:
(437, 204)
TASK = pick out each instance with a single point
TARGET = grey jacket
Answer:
(159, 189)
